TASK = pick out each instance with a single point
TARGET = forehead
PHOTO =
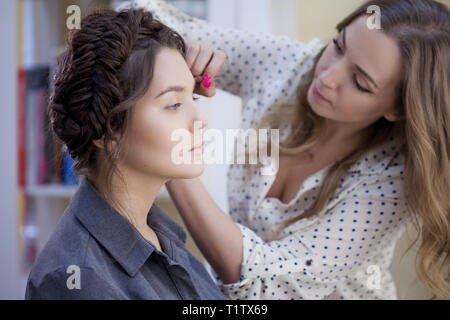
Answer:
(170, 69)
(374, 51)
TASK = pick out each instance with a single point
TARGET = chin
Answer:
(189, 171)
(196, 171)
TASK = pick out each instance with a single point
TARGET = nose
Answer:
(203, 119)
(331, 77)
(199, 120)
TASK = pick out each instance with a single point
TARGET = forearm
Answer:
(216, 234)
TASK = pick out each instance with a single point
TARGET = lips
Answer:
(318, 95)
(198, 147)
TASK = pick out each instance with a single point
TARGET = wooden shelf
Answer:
(51, 190)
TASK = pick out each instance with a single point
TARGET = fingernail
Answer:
(206, 82)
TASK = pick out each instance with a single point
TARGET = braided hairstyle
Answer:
(106, 69)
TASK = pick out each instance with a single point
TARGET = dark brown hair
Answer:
(106, 68)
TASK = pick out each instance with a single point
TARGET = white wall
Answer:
(223, 110)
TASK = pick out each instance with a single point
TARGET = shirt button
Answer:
(308, 262)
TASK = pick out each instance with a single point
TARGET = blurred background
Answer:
(36, 176)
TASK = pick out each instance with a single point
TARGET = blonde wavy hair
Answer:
(421, 28)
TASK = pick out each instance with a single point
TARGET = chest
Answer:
(290, 177)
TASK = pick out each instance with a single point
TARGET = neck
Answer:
(136, 197)
(343, 138)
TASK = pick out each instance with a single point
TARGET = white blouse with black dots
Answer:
(345, 251)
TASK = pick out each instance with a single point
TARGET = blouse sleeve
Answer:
(260, 68)
(308, 264)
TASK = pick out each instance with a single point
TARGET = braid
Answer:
(90, 86)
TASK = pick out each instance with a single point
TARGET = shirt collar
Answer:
(161, 222)
(115, 233)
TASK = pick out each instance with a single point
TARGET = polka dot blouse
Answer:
(343, 252)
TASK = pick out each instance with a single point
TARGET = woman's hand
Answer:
(204, 62)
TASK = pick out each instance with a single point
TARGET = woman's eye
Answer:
(338, 48)
(178, 105)
(358, 85)
(174, 106)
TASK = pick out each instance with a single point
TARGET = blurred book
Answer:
(40, 154)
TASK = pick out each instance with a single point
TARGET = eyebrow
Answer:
(365, 74)
(174, 89)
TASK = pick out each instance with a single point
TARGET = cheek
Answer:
(353, 107)
(149, 148)
(149, 142)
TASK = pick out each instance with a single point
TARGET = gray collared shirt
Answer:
(95, 253)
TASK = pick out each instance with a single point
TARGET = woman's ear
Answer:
(99, 143)
(394, 116)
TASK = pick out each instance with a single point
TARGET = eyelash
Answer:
(339, 50)
(177, 105)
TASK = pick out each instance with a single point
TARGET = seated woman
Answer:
(120, 90)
